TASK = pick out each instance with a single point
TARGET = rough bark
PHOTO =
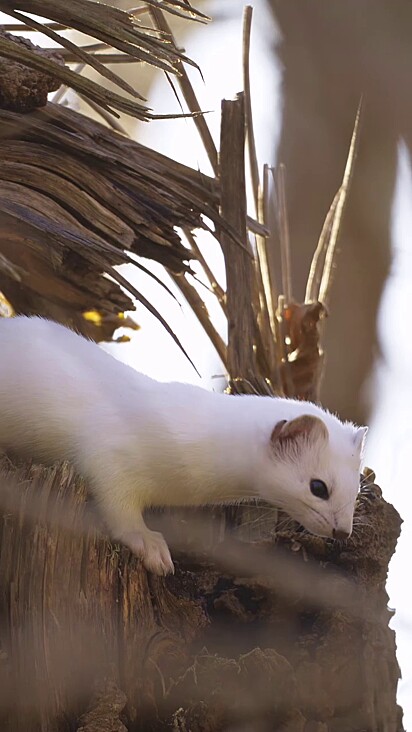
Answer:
(286, 632)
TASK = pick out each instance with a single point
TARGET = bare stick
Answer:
(188, 92)
(10, 27)
(269, 286)
(270, 241)
(100, 46)
(104, 58)
(239, 266)
(111, 121)
(253, 162)
(284, 234)
(62, 91)
(259, 298)
(200, 310)
(257, 227)
(316, 267)
(261, 243)
(266, 302)
(281, 344)
(326, 281)
(217, 289)
(138, 11)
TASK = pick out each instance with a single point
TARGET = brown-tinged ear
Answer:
(306, 426)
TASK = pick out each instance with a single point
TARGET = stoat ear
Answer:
(305, 427)
(359, 438)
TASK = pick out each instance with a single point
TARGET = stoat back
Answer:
(52, 384)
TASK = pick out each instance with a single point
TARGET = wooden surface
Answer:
(276, 633)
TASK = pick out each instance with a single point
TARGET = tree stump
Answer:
(283, 632)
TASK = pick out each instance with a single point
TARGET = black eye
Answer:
(319, 489)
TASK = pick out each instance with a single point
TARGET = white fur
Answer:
(141, 443)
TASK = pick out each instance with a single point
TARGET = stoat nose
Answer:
(341, 535)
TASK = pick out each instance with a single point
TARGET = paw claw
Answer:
(152, 549)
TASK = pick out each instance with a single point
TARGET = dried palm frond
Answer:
(63, 227)
(115, 28)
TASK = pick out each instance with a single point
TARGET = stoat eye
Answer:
(319, 489)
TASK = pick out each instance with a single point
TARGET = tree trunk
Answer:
(259, 629)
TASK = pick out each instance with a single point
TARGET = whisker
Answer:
(363, 522)
(257, 520)
(344, 505)
(285, 524)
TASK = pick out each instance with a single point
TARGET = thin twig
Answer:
(123, 282)
(270, 242)
(10, 27)
(326, 281)
(269, 285)
(200, 310)
(253, 162)
(138, 10)
(109, 118)
(111, 121)
(188, 92)
(265, 338)
(104, 58)
(282, 346)
(217, 289)
(251, 144)
(267, 314)
(257, 227)
(284, 234)
(186, 10)
(261, 245)
(122, 57)
(62, 91)
(100, 46)
(280, 343)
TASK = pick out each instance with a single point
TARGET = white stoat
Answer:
(141, 443)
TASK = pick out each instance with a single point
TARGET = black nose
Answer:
(337, 534)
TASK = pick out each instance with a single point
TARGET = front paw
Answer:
(152, 549)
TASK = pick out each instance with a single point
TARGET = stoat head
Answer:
(314, 471)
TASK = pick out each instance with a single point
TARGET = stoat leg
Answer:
(152, 549)
(125, 523)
